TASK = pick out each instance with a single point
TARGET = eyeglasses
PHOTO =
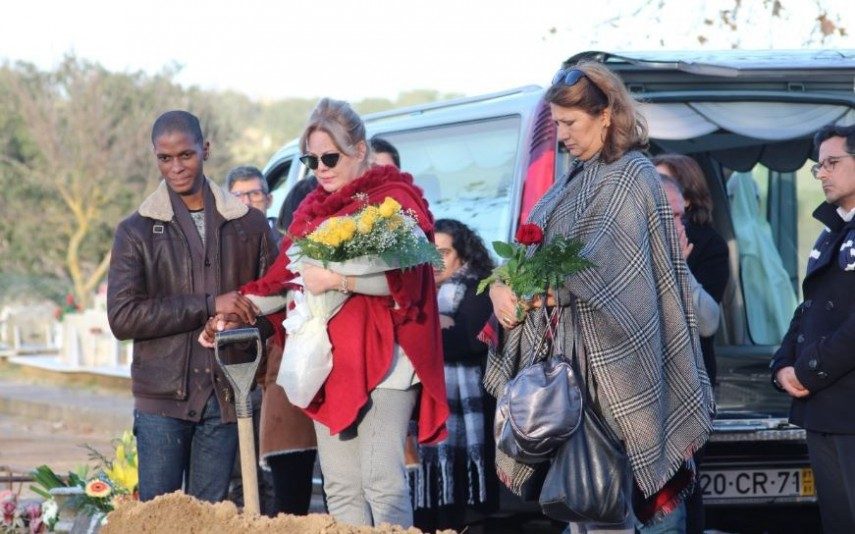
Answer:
(255, 194)
(568, 77)
(329, 160)
(827, 164)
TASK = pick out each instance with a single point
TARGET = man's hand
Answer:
(236, 304)
(786, 378)
(504, 305)
(218, 323)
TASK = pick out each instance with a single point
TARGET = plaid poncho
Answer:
(634, 314)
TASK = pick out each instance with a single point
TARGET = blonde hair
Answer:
(344, 126)
(601, 89)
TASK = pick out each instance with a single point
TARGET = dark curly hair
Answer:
(468, 245)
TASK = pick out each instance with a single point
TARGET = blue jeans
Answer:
(673, 523)
(175, 453)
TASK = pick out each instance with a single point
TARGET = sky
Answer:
(380, 48)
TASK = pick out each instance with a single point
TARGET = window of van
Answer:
(774, 243)
(466, 171)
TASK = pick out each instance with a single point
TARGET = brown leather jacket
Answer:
(151, 296)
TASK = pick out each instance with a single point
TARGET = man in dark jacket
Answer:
(816, 362)
(176, 262)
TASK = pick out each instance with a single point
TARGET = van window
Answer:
(767, 285)
(466, 171)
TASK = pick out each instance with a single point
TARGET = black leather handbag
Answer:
(540, 408)
(590, 480)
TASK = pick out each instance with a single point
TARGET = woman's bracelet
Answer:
(342, 287)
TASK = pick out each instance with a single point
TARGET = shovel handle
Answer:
(249, 476)
(236, 335)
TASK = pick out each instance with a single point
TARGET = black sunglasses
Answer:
(330, 160)
(568, 77)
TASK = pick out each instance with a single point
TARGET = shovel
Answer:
(241, 376)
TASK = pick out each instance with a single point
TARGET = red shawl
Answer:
(364, 331)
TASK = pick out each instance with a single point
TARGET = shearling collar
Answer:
(157, 205)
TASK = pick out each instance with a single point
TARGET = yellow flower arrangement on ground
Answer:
(111, 479)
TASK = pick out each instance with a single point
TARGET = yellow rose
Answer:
(333, 239)
(347, 229)
(389, 207)
(366, 221)
(394, 222)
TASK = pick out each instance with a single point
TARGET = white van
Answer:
(485, 160)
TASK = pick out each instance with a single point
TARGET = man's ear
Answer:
(206, 147)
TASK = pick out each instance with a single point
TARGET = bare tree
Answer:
(713, 24)
(88, 161)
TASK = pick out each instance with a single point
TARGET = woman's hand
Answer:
(685, 246)
(218, 323)
(505, 305)
(446, 321)
(537, 301)
(318, 280)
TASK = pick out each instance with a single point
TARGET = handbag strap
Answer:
(551, 330)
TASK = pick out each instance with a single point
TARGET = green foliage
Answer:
(547, 268)
(45, 480)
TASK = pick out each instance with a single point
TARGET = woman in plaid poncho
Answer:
(632, 312)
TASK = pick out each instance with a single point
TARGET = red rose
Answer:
(529, 234)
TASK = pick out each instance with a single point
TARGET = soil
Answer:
(178, 512)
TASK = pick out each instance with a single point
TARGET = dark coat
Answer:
(820, 343)
(460, 342)
(709, 264)
(152, 296)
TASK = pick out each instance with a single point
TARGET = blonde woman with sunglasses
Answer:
(387, 347)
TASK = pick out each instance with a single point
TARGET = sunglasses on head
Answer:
(329, 160)
(568, 77)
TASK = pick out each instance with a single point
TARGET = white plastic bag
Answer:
(307, 359)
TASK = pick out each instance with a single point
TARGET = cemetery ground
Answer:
(46, 418)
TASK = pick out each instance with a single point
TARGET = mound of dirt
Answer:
(178, 512)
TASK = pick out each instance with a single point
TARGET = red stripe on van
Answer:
(541, 168)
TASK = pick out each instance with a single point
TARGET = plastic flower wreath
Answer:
(533, 267)
(110, 481)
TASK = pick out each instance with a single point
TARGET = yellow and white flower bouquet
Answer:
(377, 238)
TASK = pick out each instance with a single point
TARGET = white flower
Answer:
(50, 511)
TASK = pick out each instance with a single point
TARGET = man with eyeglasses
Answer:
(815, 364)
(249, 186)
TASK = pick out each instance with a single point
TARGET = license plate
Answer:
(734, 483)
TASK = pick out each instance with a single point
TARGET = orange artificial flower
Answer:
(98, 488)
